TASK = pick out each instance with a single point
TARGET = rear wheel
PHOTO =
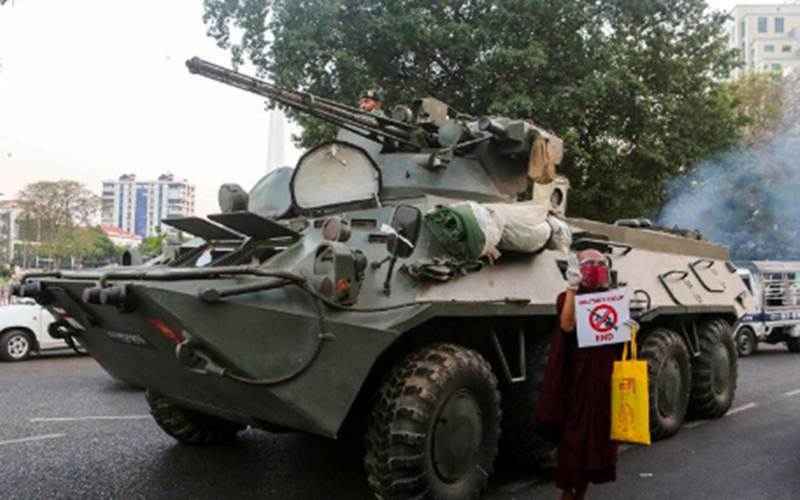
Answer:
(188, 426)
(669, 380)
(793, 344)
(714, 371)
(520, 446)
(433, 430)
(15, 345)
(746, 342)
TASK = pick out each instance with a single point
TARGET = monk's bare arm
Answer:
(567, 318)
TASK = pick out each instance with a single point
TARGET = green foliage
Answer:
(768, 103)
(55, 216)
(152, 244)
(630, 84)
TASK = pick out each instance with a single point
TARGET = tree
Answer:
(152, 244)
(632, 85)
(768, 102)
(53, 211)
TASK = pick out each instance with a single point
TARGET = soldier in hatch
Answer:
(370, 101)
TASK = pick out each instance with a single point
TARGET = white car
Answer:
(24, 329)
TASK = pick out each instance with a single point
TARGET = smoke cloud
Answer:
(749, 199)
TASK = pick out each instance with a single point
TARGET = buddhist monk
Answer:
(575, 399)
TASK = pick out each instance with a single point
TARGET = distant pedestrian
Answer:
(576, 395)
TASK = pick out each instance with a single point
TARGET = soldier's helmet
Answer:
(375, 94)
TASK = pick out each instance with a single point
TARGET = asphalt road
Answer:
(69, 431)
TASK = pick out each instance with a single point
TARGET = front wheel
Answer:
(434, 429)
(188, 426)
(15, 345)
(793, 344)
(746, 342)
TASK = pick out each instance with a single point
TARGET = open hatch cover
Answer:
(202, 228)
(255, 226)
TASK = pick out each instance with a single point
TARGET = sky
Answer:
(93, 89)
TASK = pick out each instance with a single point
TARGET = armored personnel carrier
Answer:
(326, 300)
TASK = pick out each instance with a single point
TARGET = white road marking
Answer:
(96, 417)
(32, 438)
(792, 393)
(624, 447)
(738, 409)
(696, 423)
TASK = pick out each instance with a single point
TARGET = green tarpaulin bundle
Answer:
(456, 228)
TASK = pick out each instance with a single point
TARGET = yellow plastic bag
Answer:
(630, 407)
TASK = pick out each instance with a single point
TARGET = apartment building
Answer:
(138, 207)
(767, 36)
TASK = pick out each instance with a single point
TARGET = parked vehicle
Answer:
(775, 318)
(24, 330)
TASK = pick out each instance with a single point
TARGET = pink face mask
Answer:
(595, 275)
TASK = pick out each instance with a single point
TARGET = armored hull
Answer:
(324, 302)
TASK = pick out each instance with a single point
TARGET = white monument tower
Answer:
(276, 140)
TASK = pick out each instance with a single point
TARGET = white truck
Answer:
(775, 285)
(25, 328)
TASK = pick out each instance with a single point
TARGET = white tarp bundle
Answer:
(516, 227)
(528, 228)
(492, 231)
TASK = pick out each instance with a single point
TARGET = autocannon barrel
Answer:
(337, 113)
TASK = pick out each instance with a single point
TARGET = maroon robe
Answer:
(576, 398)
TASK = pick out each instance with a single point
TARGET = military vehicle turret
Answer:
(330, 300)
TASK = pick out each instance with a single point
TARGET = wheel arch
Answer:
(472, 332)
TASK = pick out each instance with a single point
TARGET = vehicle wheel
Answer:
(434, 428)
(188, 426)
(520, 445)
(714, 371)
(746, 342)
(15, 345)
(669, 380)
(793, 344)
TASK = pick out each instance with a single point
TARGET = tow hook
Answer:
(192, 356)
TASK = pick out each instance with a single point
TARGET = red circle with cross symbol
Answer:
(603, 318)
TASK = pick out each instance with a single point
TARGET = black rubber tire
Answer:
(793, 344)
(188, 426)
(520, 445)
(10, 343)
(714, 372)
(746, 342)
(667, 357)
(400, 439)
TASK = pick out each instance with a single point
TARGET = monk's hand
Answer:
(573, 274)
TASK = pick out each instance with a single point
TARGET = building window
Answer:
(778, 25)
(741, 29)
(776, 66)
(769, 48)
(762, 24)
(786, 48)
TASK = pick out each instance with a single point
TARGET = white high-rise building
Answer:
(767, 36)
(138, 207)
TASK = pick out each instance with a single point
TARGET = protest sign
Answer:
(600, 317)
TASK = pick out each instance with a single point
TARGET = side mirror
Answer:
(407, 221)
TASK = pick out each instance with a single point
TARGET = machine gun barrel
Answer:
(348, 117)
